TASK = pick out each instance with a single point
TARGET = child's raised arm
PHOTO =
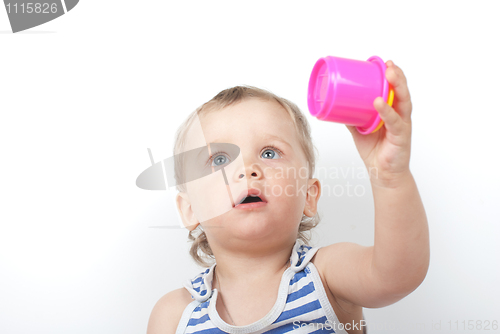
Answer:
(397, 264)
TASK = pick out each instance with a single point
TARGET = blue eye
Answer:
(220, 160)
(271, 153)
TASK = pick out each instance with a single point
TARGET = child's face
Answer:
(270, 161)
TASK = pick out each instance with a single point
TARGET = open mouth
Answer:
(250, 199)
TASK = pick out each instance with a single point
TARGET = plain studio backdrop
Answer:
(82, 98)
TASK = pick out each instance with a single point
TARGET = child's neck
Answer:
(237, 269)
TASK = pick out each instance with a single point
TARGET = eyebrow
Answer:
(265, 136)
(269, 136)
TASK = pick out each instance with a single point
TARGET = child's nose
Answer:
(253, 174)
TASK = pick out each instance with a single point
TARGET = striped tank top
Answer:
(302, 305)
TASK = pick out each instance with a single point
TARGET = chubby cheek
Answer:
(209, 197)
(286, 192)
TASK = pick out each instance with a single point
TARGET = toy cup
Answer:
(343, 90)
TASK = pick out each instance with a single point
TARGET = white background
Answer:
(84, 96)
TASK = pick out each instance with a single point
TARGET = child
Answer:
(257, 199)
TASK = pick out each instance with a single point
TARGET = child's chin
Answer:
(254, 225)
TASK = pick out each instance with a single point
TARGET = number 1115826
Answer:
(32, 8)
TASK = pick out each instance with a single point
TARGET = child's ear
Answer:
(186, 211)
(312, 197)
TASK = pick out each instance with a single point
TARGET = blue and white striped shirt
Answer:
(302, 305)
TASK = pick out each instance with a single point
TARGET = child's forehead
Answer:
(250, 118)
(255, 114)
(248, 121)
(249, 107)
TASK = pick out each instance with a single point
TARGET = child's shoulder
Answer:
(167, 312)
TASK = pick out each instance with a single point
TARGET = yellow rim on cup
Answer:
(390, 100)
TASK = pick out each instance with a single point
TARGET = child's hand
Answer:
(386, 153)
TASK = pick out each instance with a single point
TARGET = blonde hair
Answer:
(223, 99)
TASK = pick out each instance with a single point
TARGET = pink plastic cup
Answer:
(343, 90)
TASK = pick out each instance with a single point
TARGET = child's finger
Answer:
(402, 99)
(392, 120)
